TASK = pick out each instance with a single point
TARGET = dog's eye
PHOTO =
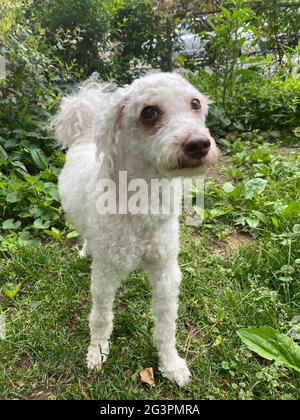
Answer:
(195, 104)
(150, 114)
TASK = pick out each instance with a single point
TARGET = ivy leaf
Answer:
(272, 345)
(11, 224)
(40, 224)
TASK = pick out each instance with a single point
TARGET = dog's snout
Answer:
(196, 147)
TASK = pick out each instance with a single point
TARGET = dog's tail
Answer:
(74, 122)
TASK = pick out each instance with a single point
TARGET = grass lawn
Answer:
(241, 268)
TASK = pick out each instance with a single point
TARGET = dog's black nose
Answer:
(196, 147)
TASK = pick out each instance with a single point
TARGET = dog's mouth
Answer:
(182, 164)
(185, 162)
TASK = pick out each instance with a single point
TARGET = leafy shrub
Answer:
(257, 103)
(269, 104)
(89, 19)
(35, 80)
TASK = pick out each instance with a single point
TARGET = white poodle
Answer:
(152, 129)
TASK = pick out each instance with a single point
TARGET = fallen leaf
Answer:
(147, 376)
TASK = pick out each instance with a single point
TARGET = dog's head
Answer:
(160, 120)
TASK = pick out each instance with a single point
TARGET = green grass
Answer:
(224, 288)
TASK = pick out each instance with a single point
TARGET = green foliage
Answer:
(35, 80)
(254, 196)
(270, 344)
(43, 59)
(249, 91)
(227, 38)
(266, 104)
(46, 340)
(87, 22)
(257, 100)
(29, 194)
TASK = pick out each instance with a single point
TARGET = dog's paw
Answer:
(96, 356)
(177, 372)
(83, 251)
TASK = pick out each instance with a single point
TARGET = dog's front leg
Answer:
(103, 288)
(165, 279)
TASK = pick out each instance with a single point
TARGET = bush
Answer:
(257, 102)
(35, 80)
(269, 104)
(89, 19)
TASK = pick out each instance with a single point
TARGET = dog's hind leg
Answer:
(103, 288)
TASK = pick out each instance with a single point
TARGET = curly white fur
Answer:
(103, 130)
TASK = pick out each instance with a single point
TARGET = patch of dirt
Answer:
(231, 243)
(285, 150)
(23, 363)
(70, 243)
(42, 394)
(218, 172)
(236, 239)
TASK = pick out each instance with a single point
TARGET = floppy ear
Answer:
(108, 126)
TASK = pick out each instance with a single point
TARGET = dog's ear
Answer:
(108, 126)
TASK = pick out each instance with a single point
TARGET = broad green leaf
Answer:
(54, 233)
(39, 158)
(3, 154)
(219, 211)
(11, 224)
(272, 345)
(296, 229)
(279, 207)
(72, 234)
(13, 197)
(54, 194)
(41, 224)
(251, 222)
(261, 216)
(24, 238)
(20, 165)
(254, 186)
(228, 187)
